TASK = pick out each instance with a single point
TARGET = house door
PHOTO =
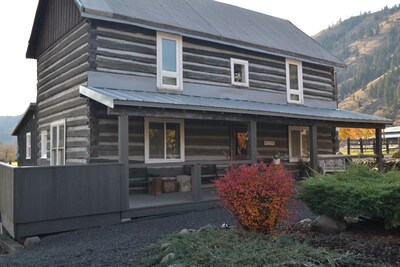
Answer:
(239, 145)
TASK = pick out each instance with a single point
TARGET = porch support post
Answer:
(313, 148)
(253, 141)
(378, 148)
(123, 153)
(196, 182)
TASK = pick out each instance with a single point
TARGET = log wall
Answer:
(132, 51)
(61, 70)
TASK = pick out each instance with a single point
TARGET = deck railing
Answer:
(39, 200)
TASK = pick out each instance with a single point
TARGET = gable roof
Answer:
(213, 21)
(24, 118)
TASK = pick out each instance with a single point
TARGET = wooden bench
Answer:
(332, 163)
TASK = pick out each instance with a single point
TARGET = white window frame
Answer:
(178, 75)
(300, 81)
(294, 128)
(147, 122)
(43, 142)
(245, 64)
(52, 125)
(28, 151)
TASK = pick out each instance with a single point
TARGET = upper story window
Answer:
(294, 81)
(28, 145)
(239, 72)
(164, 140)
(169, 61)
(57, 143)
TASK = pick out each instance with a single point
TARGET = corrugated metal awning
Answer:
(120, 97)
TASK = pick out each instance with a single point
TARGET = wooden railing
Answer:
(196, 171)
(39, 200)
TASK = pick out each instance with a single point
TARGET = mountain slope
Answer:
(370, 45)
(7, 124)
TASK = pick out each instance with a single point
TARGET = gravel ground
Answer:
(116, 245)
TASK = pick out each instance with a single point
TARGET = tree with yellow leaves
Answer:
(356, 133)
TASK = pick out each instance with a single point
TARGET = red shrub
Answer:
(257, 195)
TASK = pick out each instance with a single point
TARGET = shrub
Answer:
(257, 195)
(358, 191)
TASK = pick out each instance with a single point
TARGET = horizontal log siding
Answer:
(206, 140)
(272, 132)
(210, 63)
(58, 19)
(61, 70)
(318, 82)
(326, 140)
(279, 134)
(104, 137)
(132, 51)
(123, 50)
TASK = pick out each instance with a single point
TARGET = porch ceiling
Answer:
(120, 97)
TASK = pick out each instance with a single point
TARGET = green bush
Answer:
(242, 248)
(358, 191)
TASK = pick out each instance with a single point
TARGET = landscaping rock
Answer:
(165, 246)
(168, 258)
(177, 265)
(31, 241)
(328, 225)
(184, 232)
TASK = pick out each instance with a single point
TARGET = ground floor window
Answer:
(57, 143)
(164, 140)
(28, 145)
(299, 147)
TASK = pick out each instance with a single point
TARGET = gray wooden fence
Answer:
(40, 200)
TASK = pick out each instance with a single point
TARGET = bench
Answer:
(332, 164)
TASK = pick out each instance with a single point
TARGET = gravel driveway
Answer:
(116, 245)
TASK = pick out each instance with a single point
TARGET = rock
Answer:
(208, 227)
(165, 246)
(31, 241)
(177, 265)
(184, 232)
(168, 258)
(328, 225)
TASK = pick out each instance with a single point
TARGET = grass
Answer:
(242, 248)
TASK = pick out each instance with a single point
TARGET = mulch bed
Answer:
(369, 241)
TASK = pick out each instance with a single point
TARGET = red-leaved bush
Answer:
(256, 195)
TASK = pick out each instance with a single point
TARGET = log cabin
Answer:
(152, 87)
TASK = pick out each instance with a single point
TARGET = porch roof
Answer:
(122, 97)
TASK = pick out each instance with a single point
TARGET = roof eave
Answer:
(382, 122)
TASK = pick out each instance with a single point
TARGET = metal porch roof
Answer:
(212, 20)
(119, 97)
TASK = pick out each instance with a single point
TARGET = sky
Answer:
(18, 75)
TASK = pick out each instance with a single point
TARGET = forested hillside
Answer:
(7, 124)
(370, 46)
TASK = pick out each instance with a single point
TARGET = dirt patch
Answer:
(369, 241)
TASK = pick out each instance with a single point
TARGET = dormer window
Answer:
(239, 72)
(169, 61)
(294, 81)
